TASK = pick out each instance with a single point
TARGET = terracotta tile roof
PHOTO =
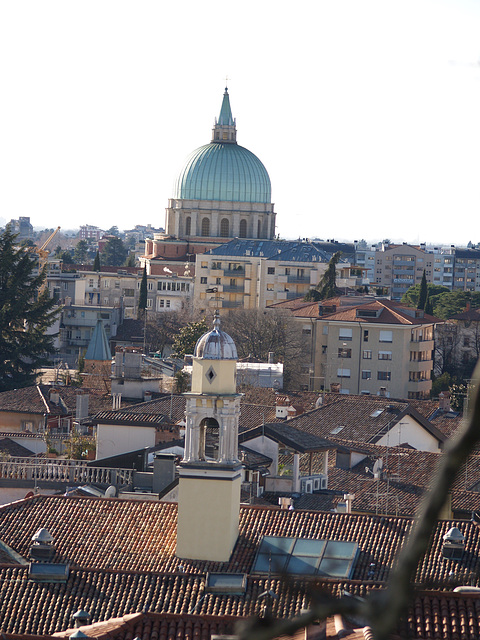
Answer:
(285, 433)
(35, 399)
(156, 625)
(11, 448)
(359, 417)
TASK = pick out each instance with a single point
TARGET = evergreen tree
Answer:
(422, 298)
(142, 300)
(428, 305)
(327, 287)
(186, 338)
(96, 262)
(114, 253)
(80, 253)
(25, 315)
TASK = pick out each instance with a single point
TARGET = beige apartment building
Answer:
(361, 345)
(399, 267)
(253, 275)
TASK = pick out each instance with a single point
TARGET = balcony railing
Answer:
(239, 273)
(66, 471)
(233, 288)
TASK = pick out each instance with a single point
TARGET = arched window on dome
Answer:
(188, 226)
(205, 227)
(259, 229)
(224, 228)
(243, 229)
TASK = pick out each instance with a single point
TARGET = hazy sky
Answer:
(365, 113)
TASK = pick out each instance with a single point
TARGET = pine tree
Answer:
(96, 262)
(428, 305)
(422, 298)
(142, 300)
(25, 315)
(327, 287)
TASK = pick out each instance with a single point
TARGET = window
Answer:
(218, 281)
(386, 336)
(204, 265)
(366, 375)
(271, 271)
(168, 304)
(365, 335)
(162, 303)
(344, 353)
(90, 282)
(384, 355)
(343, 373)
(188, 226)
(243, 229)
(269, 287)
(233, 282)
(345, 334)
(129, 293)
(259, 229)
(324, 349)
(106, 284)
(224, 228)
(216, 265)
(367, 354)
(150, 286)
(203, 281)
(384, 375)
(117, 284)
(205, 227)
(149, 303)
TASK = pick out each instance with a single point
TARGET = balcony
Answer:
(293, 278)
(233, 288)
(234, 273)
(426, 345)
(231, 304)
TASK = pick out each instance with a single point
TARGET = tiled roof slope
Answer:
(141, 535)
(356, 415)
(35, 399)
(26, 607)
(155, 625)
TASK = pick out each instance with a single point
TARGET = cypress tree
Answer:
(422, 298)
(96, 262)
(142, 300)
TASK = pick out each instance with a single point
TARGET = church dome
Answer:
(223, 170)
(216, 344)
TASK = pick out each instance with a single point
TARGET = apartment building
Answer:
(253, 274)
(362, 345)
(111, 295)
(466, 272)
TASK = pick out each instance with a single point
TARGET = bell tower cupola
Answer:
(210, 472)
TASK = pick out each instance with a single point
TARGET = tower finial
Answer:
(216, 320)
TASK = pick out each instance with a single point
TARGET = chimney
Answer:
(163, 471)
(349, 498)
(42, 548)
(444, 401)
(54, 396)
(81, 406)
(81, 618)
(270, 357)
(147, 396)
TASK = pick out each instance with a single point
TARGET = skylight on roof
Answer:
(337, 430)
(330, 558)
(376, 413)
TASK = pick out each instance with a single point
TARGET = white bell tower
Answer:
(210, 473)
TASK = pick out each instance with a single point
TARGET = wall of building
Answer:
(115, 439)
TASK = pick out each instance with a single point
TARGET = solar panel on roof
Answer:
(331, 558)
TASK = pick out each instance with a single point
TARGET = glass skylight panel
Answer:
(376, 413)
(300, 556)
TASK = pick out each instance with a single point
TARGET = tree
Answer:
(96, 262)
(113, 231)
(187, 337)
(80, 254)
(411, 296)
(257, 333)
(162, 328)
(114, 253)
(450, 303)
(66, 257)
(422, 296)
(327, 287)
(25, 316)
(130, 261)
(142, 299)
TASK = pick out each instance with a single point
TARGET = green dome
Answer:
(223, 171)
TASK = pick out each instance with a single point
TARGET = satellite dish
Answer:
(378, 466)
(111, 492)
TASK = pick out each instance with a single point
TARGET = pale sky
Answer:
(365, 113)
